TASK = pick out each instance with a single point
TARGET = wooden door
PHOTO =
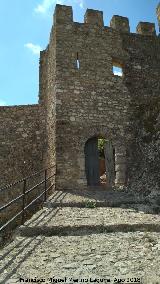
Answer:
(109, 161)
(92, 162)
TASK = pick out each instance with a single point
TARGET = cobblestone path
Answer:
(116, 241)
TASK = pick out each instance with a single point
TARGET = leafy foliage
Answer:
(101, 143)
(90, 204)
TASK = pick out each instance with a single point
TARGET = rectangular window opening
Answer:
(117, 69)
(77, 62)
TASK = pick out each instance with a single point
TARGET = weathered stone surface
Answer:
(127, 244)
(120, 24)
(94, 17)
(144, 28)
(22, 130)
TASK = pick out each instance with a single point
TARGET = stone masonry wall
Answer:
(91, 100)
(22, 153)
(48, 98)
(142, 80)
(22, 142)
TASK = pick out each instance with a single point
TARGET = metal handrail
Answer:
(32, 188)
(26, 178)
(23, 195)
(11, 202)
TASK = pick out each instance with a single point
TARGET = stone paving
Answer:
(81, 244)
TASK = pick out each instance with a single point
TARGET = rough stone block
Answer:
(119, 182)
(120, 159)
(94, 17)
(63, 14)
(120, 167)
(120, 175)
(145, 28)
(120, 24)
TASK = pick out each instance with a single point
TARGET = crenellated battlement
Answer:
(120, 24)
(94, 17)
(145, 28)
(64, 15)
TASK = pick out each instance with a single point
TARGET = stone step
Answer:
(75, 230)
(93, 198)
(84, 198)
(93, 204)
(71, 221)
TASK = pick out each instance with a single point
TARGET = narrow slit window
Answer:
(117, 70)
(77, 62)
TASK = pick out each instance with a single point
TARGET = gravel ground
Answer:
(92, 244)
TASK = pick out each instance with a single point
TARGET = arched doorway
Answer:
(99, 151)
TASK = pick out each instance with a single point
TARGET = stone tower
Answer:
(85, 100)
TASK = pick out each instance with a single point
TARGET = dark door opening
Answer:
(92, 162)
(99, 162)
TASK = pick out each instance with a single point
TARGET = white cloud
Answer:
(118, 73)
(33, 47)
(2, 103)
(45, 5)
(80, 3)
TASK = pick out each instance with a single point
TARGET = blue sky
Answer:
(24, 31)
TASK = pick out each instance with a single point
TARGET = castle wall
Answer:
(23, 147)
(22, 142)
(49, 100)
(142, 80)
(91, 100)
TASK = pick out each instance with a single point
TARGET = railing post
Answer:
(45, 185)
(23, 201)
